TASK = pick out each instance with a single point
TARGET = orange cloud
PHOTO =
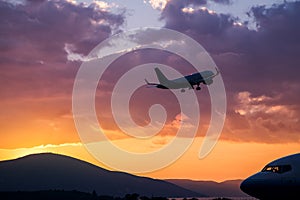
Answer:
(262, 119)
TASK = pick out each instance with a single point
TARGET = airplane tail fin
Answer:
(161, 77)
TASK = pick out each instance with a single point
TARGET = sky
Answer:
(255, 44)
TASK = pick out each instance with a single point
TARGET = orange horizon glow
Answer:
(51, 130)
(227, 161)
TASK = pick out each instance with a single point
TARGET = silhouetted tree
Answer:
(144, 198)
(134, 196)
(106, 197)
(94, 193)
(159, 198)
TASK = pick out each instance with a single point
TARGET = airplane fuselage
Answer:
(205, 77)
(188, 81)
(279, 179)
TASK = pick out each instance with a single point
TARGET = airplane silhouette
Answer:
(205, 77)
(280, 179)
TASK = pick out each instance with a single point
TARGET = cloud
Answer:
(193, 16)
(36, 76)
(157, 4)
(262, 119)
(259, 67)
(43, 27)
(223, 1)
(42, 43)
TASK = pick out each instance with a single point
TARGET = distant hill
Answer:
(49, 171)
(210, 188)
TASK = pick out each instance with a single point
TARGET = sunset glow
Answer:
(43, 44)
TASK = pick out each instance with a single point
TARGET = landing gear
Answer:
(182, 90)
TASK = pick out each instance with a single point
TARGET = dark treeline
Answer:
(75, 195)
(69, 195)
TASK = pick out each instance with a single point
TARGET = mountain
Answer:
(210, 188)
(49, 171)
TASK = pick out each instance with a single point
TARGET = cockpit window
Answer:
(277, 168)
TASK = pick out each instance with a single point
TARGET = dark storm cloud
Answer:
(262, 62)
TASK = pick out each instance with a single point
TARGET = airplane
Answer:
(280, 179)
(205, 77)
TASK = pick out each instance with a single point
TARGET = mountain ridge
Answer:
(46, 171)
(227, 188)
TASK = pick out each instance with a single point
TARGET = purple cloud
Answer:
(45, 26)
(36, 77)
(259, 67)
(223, 1)
(262, 62)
